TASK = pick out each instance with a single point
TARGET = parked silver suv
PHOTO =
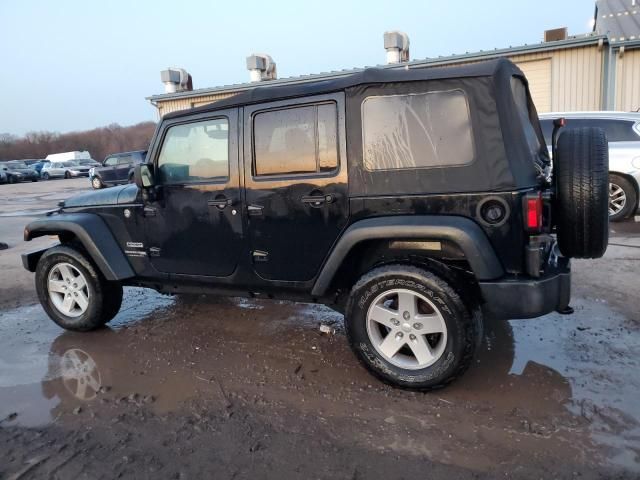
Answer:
(623, 134)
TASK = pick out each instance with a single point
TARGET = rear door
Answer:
(296, 184)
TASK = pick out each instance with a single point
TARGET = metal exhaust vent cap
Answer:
(176, 80)
(397, 46)
(261, 67)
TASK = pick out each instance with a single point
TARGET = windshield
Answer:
(18, 165)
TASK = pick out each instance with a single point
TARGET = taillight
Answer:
(533, 211)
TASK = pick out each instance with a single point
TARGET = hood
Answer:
(120, 195)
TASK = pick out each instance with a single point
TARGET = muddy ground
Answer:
(196, 387)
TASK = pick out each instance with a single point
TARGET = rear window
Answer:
(521, 99)
(417, 131)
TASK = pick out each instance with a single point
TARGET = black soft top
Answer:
(503, 159)
(492, 68)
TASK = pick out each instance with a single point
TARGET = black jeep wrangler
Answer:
(412, 200)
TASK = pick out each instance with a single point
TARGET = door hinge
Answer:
(154, 252)
(260, 256)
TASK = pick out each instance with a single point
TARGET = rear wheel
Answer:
(623, 198)
(410, 328)
(45, 176)
(73, 292)
(582, 192)
(67, 174)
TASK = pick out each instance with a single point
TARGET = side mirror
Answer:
(143, 176)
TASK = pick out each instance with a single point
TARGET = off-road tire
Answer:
(582, 192)
(105, 297)
(463, 328)
(631, 198)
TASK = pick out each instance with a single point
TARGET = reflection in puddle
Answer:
(80, 374)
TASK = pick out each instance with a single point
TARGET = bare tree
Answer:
(99, 142)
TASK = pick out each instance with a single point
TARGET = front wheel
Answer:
(96, 183)
(73, 292)
(623, 198)
(410, 328)
(67, 175)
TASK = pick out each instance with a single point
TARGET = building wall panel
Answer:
(628, 81)
(175, 105)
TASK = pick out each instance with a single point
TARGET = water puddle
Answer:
(554, 374)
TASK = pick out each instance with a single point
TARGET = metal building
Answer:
(599, 70)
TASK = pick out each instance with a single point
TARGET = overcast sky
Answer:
(75, 65)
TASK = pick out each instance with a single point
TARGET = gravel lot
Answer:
(197, 387)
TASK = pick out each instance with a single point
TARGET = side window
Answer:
(619, 130)
(417, 131)
(616, 130)
(195, 152)
(111, 161)
(296, 140)
(125, 159)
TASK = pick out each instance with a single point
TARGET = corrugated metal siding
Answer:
(575, 78)
(538, 73)
(185, 103)
(628, 81)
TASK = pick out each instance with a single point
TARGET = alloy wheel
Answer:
(617, 199)
(406, 328)
(68, 290)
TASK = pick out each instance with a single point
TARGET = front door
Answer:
(123, 168)
(108, 170)
(194, 225)
(295, 177)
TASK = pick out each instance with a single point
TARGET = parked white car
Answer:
(623, 133)
(69, 169)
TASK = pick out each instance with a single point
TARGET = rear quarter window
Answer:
(412, 131)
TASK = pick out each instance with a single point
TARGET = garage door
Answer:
(538, 73)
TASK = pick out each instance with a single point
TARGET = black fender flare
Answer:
(465, 233)
(95, 236)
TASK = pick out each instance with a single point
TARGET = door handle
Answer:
(317, 200)
(220, 202)
(255, 210)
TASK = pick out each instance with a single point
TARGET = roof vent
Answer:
(397, 46)
(556, 34)
(261, 67)
(176, 80)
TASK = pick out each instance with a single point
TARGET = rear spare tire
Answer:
(582, 192)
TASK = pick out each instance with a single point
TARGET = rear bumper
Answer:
(527, 298)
